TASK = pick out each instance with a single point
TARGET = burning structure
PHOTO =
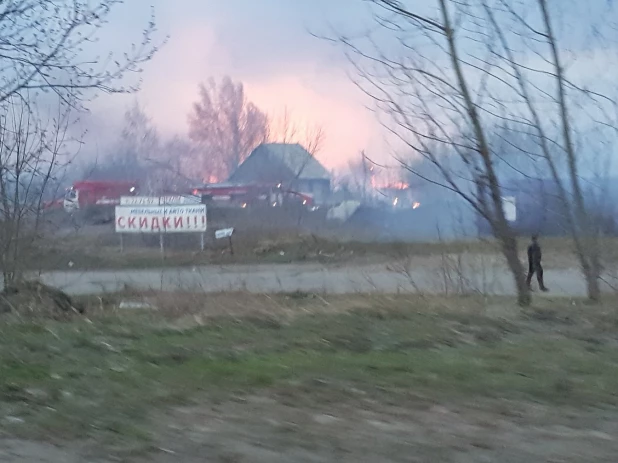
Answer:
(290, 165)
(401, 196)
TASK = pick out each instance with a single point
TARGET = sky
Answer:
(265, 44)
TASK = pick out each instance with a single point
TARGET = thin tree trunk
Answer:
(588, 253)
(591, 269)
(500, 225)
(509, 249)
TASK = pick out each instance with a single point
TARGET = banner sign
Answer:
(159, 200)
(224, 233)
(161, 219)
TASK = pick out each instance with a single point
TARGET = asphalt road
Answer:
(310, 278)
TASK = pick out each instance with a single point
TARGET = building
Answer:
(289, 164)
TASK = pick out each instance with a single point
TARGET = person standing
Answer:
(534, 263)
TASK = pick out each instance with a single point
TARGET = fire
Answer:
(416, 205)
(400, 186)
(389, 186)
(210, 179)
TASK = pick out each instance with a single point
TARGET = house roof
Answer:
(293, 156)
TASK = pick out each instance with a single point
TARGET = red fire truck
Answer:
(248, 196)
(97, 198)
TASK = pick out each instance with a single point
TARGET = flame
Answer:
(210, 179)
(400, 186)
(389, 186)
(416, 205)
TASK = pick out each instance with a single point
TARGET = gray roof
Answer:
(294, 157)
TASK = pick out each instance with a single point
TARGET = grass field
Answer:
(101, 249)
(244, 368)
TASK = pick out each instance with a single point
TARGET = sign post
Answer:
(161, 219)
(226, 233)
(160, 215)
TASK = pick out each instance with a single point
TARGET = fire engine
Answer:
(95, 200)
(97, 197)
(248, 196)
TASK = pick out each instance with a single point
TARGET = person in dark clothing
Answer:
(534, 263)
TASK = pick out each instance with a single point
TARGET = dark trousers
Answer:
(535, 267)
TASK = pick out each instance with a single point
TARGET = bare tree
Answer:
(32, 152)
(51, 46)
(140, 155)
(547, 111)
(433, 107)
(285, 129)
(472, 79)
(128, 156)
(225, 126)
(365, 175)
(358, 176)
(175, 164)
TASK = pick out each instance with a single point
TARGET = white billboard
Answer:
(224, 233)
(161, 219)
(509, 204)
(159, 200)
(179, 199)
(139, 200)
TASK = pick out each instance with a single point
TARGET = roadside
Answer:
(485, 276)
(99, 248)
(311, 378)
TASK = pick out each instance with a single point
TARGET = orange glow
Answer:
(399, 186)
(388, 186)
(314, 93)
(346, 129)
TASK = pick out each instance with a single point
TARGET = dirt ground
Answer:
(262, 430)
(426, 275)
(239, 378)
(267, 429)
(98, 247)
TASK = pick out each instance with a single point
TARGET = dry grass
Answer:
(101, 377)
(101, 249)
(189, 309)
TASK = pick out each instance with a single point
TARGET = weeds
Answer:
(105, 375)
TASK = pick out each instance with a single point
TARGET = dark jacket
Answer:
(534, 253)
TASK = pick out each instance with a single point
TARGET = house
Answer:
(289, 164)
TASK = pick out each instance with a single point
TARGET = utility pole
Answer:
(364, 163)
